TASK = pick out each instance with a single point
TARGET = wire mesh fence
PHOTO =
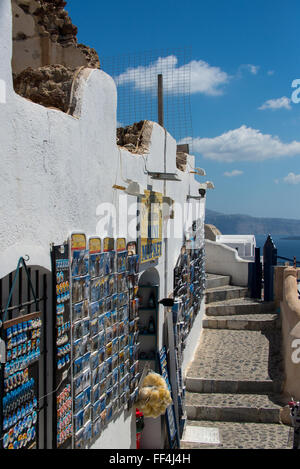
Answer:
(136, 78)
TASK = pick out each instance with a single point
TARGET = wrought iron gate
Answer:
(23, 292)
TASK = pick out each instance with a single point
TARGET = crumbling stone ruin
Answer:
(49, 86)
(46, 54)
(135, 138)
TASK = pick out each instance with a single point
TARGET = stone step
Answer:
(239, 306)
(205, 385)
(234, 361)
(253, 322)
(235, 435)
(233, 407)
(224, 293)
(214, 280)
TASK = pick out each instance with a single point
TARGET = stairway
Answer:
(234, 382)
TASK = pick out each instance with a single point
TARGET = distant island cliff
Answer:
(245, 224)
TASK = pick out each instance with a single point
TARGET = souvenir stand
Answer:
(20, 353)
(189, 288)
(148, 324)
(104, 339)
(62, 340)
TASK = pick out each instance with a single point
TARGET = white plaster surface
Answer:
(201, 435)
(224, 260)
(55, 171)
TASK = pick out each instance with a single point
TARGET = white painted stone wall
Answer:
(55, 170)
(224, 260)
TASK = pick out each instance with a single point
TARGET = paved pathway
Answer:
(235, 380)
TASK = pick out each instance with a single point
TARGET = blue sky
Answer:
(245, 57)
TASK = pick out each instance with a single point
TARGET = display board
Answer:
(170, 412)
(150, 242)
(189, 290)
(105, 373)
(62, 339)
(19, 382)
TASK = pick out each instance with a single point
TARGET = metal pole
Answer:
(160, 93)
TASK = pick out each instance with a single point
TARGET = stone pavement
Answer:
(235, 380)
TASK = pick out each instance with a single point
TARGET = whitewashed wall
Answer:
(55, 170)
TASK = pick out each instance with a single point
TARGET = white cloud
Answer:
(233, 173)
(204, 78)
(244, 144)
(276, 181)
(253, 69)
(292, 178)
(278, 103)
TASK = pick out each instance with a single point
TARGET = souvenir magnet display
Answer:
(62, 341)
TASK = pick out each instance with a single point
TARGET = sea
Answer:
(285, 247)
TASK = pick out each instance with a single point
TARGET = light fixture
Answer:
(134, 189)
(199, 172)
(194, 197)
(163, 176)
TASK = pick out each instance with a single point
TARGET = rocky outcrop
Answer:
(135, 138)
(43, 34)
(49, 86)
(181, 160)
